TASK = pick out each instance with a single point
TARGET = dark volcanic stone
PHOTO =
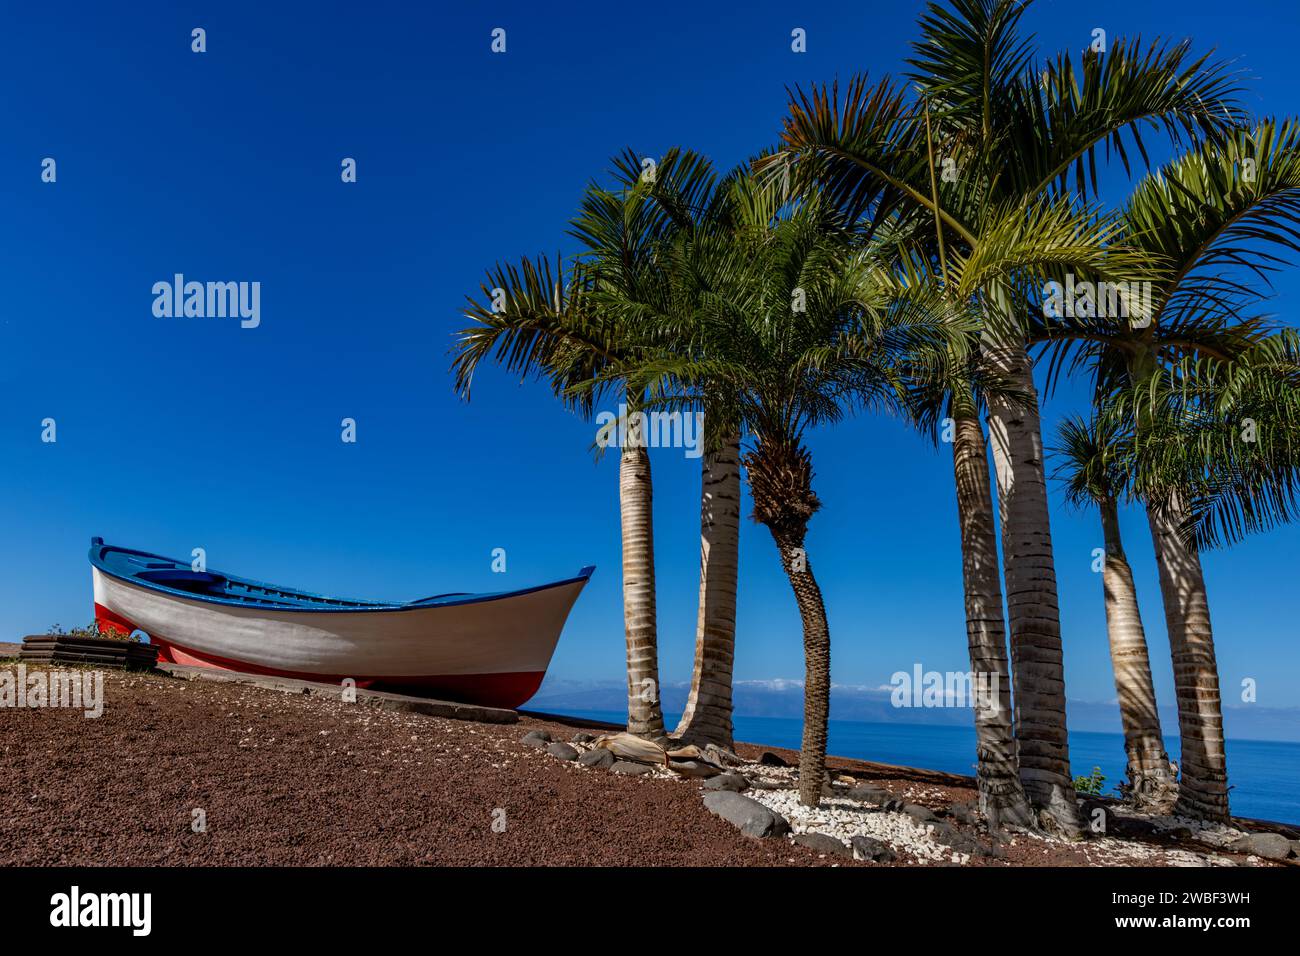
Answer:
(770, 759)
(563, 751)
(1129, 827)
(869, 848)
(749, 816)
(628, 768)
(824, 843)
(1271, 846)
(918, 813)
(735, 782)
(536, 738)
(962, 813)
(952, 837)
(597, 757)
(866, 793)
(694, 768)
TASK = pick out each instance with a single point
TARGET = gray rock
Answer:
(918, 813)
(1129, 827)
(962, 813)
(694, 768)
(563, 751)
(749, 816)
(582, 738)
(1271, 846)
(867, 793)
(869, 848)
(598, 757)
(536, 738)
(1295, 849)
(628, 768)
(770, 785)
(951, 837)
(734, 782)
(824, 843)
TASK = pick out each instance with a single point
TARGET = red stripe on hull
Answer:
(491, 690)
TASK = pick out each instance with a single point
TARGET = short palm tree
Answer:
(1096, 462)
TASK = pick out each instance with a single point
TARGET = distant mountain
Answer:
(784, 698)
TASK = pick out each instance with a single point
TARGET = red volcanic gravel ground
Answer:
(291, 779)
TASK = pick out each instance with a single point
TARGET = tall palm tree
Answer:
(536, 320)
(1095, 459)
(688, 199)
(1061, 231)
(707, 717)
(1218, 219)
(1016, 132)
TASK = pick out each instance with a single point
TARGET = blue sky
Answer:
(180, 433)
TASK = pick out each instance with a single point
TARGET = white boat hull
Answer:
(492, 651)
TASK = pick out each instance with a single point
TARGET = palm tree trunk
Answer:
(707, 718)
(1203, 790)
(1002, 798)
(1149, 775)
(817, 663)
(1033, 613)
(644, 711)
(780, 483)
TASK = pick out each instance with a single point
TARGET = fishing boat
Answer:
(490, 649)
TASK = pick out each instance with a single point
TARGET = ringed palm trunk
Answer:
(644, 710)
(1002, 798)
(780, 482)
(1203, 790)
(1033, 614)
(707, 718)
(1149, 775)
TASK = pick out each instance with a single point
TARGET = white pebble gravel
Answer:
(844, 819)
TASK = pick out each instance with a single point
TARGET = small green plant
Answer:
(1091, 785)
(90, 630)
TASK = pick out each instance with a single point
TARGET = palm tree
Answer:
(688, 199)
(1015, 133)
(1095, 470)
(707, 715)
(795, 324)
(1021, 241)
(536, 322)
(1214, 218)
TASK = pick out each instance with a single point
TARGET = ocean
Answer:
(1263, 773)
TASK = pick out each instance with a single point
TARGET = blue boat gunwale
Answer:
(99, 552)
